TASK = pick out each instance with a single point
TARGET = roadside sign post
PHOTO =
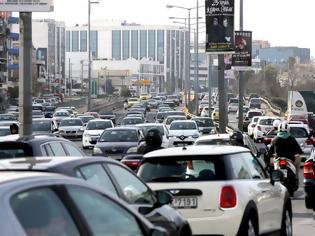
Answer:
(25, 60)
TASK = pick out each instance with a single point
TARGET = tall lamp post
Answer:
(89, 52)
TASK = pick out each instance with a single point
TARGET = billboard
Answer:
(243, 49)
(27, 5)
(219, 26)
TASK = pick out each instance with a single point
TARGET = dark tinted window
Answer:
(183, 126)
(99, 125)
(266, 122)
(298, 132)
(204, 122)
(131, 121)
(145, 129)
(252, 114)
(233, 100)
(15, 150)
(42, 125)
(119, 136)
(183, 169)
(72, 122)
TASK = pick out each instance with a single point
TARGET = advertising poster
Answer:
(219, 26)
(243, 49)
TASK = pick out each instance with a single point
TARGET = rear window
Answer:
(268, 122)
(183, 169)
(233, 100)
(204, 122)
(252, 114)
(15, 150)
(298, 132)
(183, 126)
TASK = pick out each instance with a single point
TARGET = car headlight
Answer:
(195, 136)
(97, 151)
(132, 150)
(81, 129)
(87, 135)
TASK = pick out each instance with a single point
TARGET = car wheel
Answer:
(186, 231)
(308, 202)
(286, 225)
(249, 227)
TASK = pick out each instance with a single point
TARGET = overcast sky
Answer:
(282, 22)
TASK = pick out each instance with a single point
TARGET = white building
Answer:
(162, 44)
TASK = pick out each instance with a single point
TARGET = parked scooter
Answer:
(288, 170)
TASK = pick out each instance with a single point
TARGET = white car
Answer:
(93, 131)
(183, 132)
(220, 190)
(71, 128)
(60, 115)
(169, 119)
(301, 133)
(205, 112)
(203, 103)
(214, 139)
(161, 127)
(251, 126)
(264, 124)
(233, 105)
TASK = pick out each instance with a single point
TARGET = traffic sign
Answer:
(27, 6)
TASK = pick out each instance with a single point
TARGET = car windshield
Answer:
(183, 169)
(119, 136)
(72, 122)
(42, 125)
(183, 126)
(204, 122)
(255, 113)
(267, 122)
(86, 119)
(145, 129)
(99, 125)
(298, 132)
(171, 119)
(131, 121)
(233, 100)
(62, 114)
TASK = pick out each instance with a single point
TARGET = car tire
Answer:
(249, 226)
(286, 224)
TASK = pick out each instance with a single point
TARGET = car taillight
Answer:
(283, 162)
(228, 197)
(308, 170)
(131, 163)
(258, 127)
(309, 141)
(267, 141)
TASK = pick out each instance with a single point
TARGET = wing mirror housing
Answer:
(275, 176)
(163, 198)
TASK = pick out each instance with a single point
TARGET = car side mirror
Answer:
(163, 198)
(275, 176)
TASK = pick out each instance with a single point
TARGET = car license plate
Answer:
(185, 202)
(284, 172)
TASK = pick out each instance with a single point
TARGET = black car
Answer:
(110, 175)
(117, 142)
(38, 146)
(108, 116)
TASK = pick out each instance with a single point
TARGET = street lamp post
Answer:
(89, 52)
(197, 63)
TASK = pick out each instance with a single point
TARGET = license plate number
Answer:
(185, 202)
(284, 172)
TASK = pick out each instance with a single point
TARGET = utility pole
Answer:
(197, 63)
(70, 82)
(222, 95)
(82, 70)
(189, 57)
(25, 72)
(241, 81)
(89, 51)
(210, 62)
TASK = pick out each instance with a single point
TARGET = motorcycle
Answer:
(288, 170)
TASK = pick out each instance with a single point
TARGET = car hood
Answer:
(183, 132)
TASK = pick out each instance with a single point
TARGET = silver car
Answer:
(35, 203)
(71, 128)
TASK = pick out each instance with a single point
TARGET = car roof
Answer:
(44, 163)
(176, 116)
(214, 137)
(196, 151)
(32, 138)
(150, 124)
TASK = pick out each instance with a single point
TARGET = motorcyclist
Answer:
(237, 139)
(14, 128)
(153, 142)
(284, 145)
(275, 126)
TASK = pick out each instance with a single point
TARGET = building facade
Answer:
(162, 44)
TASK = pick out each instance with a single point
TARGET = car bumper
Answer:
(217, 225)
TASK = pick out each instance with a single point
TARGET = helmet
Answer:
(153, 137)
(14, 127)
(276, 124)
(283, 127)
(237, 138)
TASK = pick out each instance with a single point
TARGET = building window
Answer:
(68, 41)
(151, 35)
(160, 46)
(94, 44)
(143, 44)
(116, 44)
(134, 44)
(75, 41)
(83, 41)
(126, 41)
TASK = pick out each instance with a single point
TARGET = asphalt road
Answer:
(303, 223)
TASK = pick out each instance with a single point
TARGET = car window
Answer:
(298, 132)
(268, 122)
(72, 150)
(57, 149)
(255, 168)
(96, 174)
(119, 136)
(239, 168)
(40, 212)
(103, 216)
(133, 189)
(99, 125)
(183, 126)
